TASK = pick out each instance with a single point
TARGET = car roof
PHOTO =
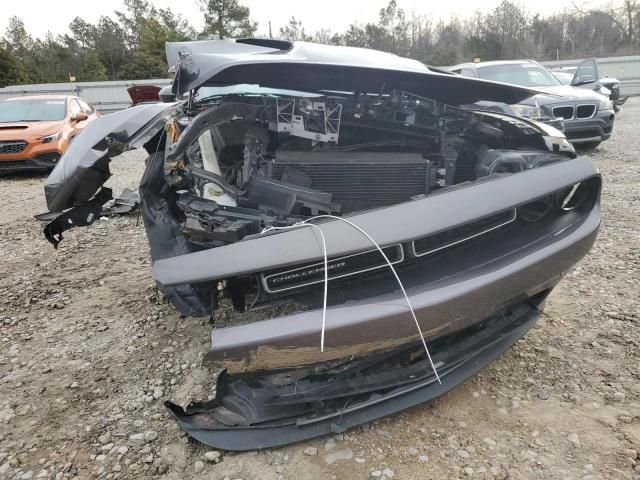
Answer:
(39, 97)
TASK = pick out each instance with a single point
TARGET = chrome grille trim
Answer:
(414, 253)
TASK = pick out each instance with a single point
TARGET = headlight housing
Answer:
(604, 103)
(54, 137)
(526, 111)
(555, 140)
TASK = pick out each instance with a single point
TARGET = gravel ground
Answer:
(88, 352)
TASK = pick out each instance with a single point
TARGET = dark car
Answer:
(379, 243)
(587, 116)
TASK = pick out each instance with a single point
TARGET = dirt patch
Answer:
(88, 352)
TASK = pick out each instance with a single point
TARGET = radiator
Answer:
(357, 180)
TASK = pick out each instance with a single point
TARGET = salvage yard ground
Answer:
(89, 351)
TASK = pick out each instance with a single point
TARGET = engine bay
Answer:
(239, 164)
(245, 162)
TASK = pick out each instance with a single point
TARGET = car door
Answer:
(586, 75)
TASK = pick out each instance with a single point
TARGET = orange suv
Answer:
(35, 130)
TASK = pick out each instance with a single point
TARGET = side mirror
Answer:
(584, 79)
(80, 116)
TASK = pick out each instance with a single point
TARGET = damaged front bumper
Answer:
(474, 300)
(262, 412)
(457, 267)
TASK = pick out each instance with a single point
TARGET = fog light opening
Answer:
(536, 210)
(572, 197)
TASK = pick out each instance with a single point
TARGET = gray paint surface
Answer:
(315, 67)
(129, 127)
(111, 96)
(387, 226)
(449, 305)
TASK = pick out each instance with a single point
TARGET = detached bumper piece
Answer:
(88, 212)
(263, 411)
(128, 201)
(82, 215)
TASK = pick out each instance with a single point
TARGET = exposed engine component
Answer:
(306, 118)
(351, 177)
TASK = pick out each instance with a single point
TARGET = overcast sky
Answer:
(41, 16)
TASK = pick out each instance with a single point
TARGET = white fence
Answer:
(105, 96)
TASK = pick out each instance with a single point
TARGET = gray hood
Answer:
(562, 94)
(314, 67)
(568, 92)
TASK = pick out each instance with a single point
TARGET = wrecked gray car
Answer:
(410, 241)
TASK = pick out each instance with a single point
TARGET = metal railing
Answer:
(107, 97)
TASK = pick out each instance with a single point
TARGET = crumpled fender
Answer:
(83, 168)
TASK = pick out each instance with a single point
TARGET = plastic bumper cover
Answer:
(594, 129)
(221, 423)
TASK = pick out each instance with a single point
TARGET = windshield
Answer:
(32, 110)
(523, 74)
(565, 78)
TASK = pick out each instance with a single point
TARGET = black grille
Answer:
(12, 146)
(564, 112)
(585, 111)
(359, 180)
(287, 279)
(434, 243)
